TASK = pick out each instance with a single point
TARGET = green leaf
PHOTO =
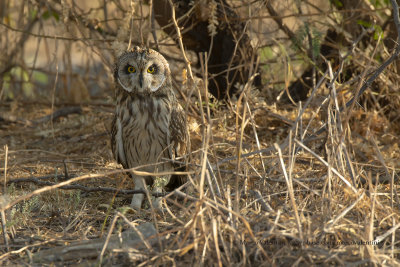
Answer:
(22, 75)
(40, 77)
(48, 14)
(337, 3)
(266, 53)
(301, 39)
(378, 33)
(56, 16)
(33, 13)
(6, 86)
(364, 23)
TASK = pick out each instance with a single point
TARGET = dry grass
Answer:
(291, 205)
(267, 186)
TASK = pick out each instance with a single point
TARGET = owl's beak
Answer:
(141, 79)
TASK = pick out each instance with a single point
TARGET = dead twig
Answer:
(3, 222)
(326, 164)
(3, 201)
(38, 181)
(289, 184)
(79, 178)
(123, 242)
(265, 206)
(62, 112)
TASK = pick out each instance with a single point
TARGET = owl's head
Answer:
(142, 71)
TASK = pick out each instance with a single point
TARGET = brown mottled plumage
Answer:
(149, 124)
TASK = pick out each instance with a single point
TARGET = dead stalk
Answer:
(290, 189)
(326, 164)
(3, 200)
(332, 222)
(103, 250)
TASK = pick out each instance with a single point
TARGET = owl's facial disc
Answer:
(155, 88)
(127, 74)
(123, 86)
(142, 72)
(153, 76)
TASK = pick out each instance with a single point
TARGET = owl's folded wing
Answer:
(179, 137)
(116, 143)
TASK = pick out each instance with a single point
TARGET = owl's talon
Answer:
(157, 205)
(136, 209)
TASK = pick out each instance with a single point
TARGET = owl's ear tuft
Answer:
(119, 48)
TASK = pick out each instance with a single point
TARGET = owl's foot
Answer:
(159, 184)
(157, 204)
(136, 203)
(137, 199)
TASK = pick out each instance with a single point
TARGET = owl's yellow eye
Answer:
(151, 69)
(131, 69)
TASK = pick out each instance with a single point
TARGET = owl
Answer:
(149, 124)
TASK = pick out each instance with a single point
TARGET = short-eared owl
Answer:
(149, 124)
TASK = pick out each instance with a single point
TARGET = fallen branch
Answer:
(62, 112)
(6, 118)
(83, 177)
(132, 240)
(39, 181)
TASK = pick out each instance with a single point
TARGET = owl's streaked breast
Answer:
(144, 129)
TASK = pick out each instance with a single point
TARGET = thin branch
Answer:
(327, 165)
(332, 222)
(83, 177)
(387, 62)
(38, 181)
(62, 112)
(278, 19)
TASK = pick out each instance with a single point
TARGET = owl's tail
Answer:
(177, 180)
